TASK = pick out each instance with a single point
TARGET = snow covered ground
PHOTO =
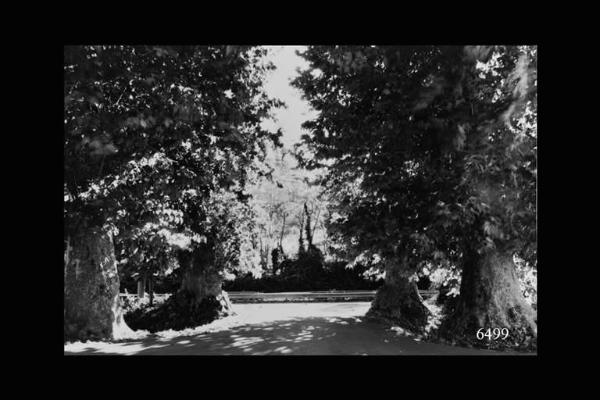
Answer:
(280, 329)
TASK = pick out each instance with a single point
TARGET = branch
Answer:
(282, 231)
(119, 99)
(316, 222)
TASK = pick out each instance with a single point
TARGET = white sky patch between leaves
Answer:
(277, 84)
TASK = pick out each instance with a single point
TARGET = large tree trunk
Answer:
(490, 297)
(202, 280)
(91, 293)
(199, 300)
(398, 301)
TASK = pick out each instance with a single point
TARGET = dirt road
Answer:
(280, 329)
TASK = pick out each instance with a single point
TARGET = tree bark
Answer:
(281, 236)
(202, 280)
(151, 290)
(316, 222)
(300, 239)
(398, 301)
(308, 228)
(91, 294)
(141, 286)
(490, 297)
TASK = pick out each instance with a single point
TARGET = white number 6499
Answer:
(496, 333)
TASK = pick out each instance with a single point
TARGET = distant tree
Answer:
(275, 258)
(301, 248)
(283, 196)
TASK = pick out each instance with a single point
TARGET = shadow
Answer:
(296, 336)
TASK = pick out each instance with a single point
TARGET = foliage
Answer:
(279, 205)
(131, 304)
(528, 280)
(307, 274)
(429, 151)
(159, 144)
(177, 312)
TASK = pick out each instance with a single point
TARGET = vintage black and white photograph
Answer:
(300, 200)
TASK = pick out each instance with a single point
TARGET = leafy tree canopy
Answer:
(430, 151)
(157, 137)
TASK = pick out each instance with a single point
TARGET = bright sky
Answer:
(278, 85)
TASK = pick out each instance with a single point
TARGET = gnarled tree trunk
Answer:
(398, 301)
(199, 300)
(204, 283)
(91, 292)
(490, 297)
(202, 280)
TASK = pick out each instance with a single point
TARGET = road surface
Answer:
(280, 329)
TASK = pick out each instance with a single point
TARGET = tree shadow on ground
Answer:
(297, 336)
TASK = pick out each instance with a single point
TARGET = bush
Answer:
(448, 295)
(178, 312)
(307, 273)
